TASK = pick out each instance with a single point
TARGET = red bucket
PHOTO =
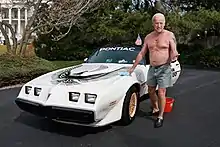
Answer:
(169, 104)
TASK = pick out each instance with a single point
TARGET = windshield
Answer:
(121, 55)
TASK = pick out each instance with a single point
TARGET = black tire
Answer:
(126, 119)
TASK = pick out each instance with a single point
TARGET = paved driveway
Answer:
(193, 123)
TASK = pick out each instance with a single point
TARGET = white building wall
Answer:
(15, 14)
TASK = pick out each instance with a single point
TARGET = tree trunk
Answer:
(27, 31)
(7, 41)
(14, 49)
(25, 42)
(22, 41)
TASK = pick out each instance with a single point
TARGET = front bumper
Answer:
(57, 113)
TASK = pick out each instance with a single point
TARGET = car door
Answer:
(176, 70)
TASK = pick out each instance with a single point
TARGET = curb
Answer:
(10, 87)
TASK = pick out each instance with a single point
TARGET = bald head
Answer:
(158, 21)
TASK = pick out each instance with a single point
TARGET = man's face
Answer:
(159, 23)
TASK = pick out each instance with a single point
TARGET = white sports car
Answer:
(95, 93)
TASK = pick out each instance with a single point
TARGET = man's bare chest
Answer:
(158, 42)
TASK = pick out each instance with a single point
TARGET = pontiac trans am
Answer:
(95, 93)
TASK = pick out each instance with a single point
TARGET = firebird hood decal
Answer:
(87, 73)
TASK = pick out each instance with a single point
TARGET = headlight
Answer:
(37, 91)
(27, 89)
(90, 98)
(74, 96)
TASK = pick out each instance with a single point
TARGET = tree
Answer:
(58, 16)
(189, 5)
(52, 15)
(3, 27)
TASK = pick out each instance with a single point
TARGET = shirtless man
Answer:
(161, 45)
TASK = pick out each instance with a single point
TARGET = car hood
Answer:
(85, 78)
(83, 74)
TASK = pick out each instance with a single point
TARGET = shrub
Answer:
(189, 54)
(206, 58)
(14, 69)
(210, 58)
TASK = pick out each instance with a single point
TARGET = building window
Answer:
(5, 13)
(14, 13)
(22, 13)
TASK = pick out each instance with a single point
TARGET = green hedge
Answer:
(15, 70)
(210, 58)
(200, 57)
(65, 55)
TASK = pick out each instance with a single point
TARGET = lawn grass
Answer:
(3, 49)
(30, 51)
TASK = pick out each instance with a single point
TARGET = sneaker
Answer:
(158, 123)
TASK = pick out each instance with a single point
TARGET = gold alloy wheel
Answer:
(133, 105)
